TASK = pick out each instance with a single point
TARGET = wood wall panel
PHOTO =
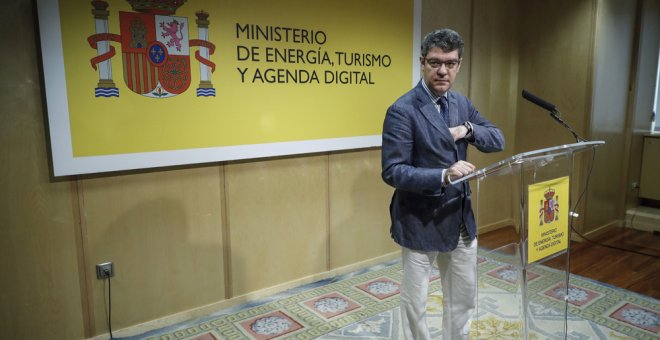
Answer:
(615, 23)
(359, 208)
(555, 64)
(493, 90)
(454, 14)
(163, 231)
(278, 221)
(642, 94)
(40, 294)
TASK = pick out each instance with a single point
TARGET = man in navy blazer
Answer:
(425, 138)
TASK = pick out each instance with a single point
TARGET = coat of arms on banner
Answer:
(155, 49)
(549, 211)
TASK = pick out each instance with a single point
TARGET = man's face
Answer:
(439, 69)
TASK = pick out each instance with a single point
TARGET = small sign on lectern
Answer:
(548, 223)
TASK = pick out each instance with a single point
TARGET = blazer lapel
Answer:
(432, 115)
(454, 119)
(429, 111)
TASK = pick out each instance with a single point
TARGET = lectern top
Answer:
(537, 158)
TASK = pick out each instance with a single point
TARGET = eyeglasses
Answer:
(449, 64)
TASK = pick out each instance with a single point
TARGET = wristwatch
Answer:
(468, 126)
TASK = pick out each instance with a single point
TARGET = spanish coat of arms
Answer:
(549, 210)
(155, 49)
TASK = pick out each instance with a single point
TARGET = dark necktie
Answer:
(444, 109)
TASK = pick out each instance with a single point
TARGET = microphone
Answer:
(554, 113)
(538, 101)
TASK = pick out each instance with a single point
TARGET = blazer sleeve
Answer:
(486, 137)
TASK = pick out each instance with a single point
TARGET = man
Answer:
(425, 137)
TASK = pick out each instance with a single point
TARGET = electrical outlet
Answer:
(104, 270)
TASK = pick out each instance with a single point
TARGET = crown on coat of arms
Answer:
(162, 7)
(201, 15)
(549, 193)
(99, 4)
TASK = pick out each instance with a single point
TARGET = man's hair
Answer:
(446, 39)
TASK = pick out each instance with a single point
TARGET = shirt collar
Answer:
(433, 97)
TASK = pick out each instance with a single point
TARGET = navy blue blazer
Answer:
(417, 147)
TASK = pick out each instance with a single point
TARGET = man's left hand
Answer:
(458, 132)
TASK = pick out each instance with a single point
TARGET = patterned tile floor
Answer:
(364, 305)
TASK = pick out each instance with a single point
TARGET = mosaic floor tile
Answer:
(331, 305)
(269, 326)
(510, 274)
(577, 296)
(638, 317)
(381, 288)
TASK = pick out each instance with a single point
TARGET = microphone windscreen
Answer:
(538, 101)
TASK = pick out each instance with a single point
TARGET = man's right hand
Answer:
(458, 170)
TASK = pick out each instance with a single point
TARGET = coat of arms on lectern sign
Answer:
(550, 236)
(155, 49)
(549, 210)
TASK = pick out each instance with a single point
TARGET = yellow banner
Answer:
(547, 218)
(140, 84)
(224, 73)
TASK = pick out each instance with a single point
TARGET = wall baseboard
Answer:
(495, 225)
(595, 232)
(643, 218)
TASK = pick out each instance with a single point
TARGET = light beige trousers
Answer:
(458, 274)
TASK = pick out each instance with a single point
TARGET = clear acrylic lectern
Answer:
(533, 189)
